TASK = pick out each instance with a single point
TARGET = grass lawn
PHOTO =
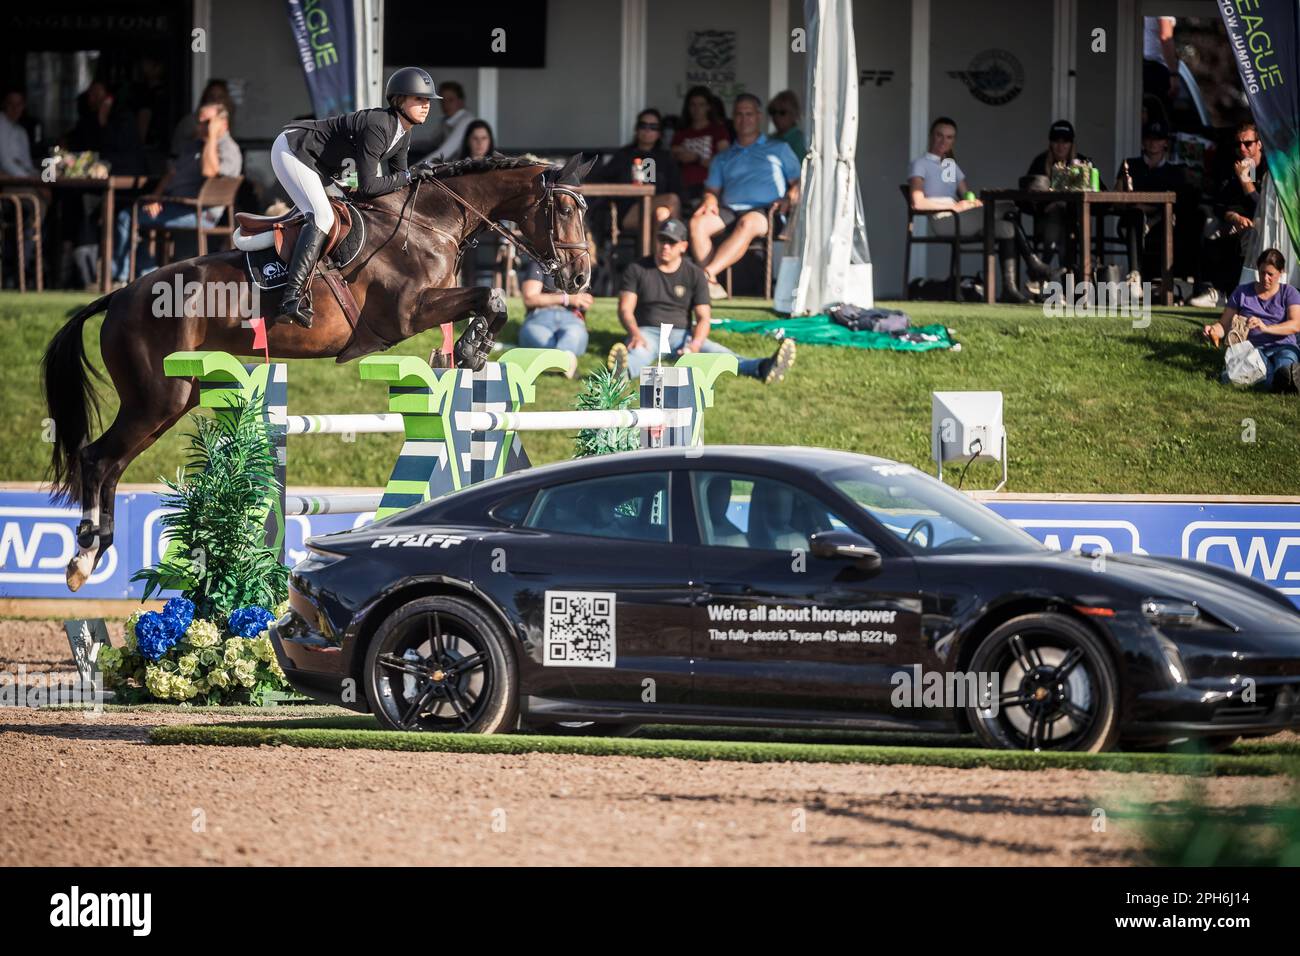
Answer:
(358, 732)
(1091, 405)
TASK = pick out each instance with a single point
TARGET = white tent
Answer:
(830, 261)
(1270, 233)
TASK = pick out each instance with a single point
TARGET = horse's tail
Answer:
(70, 399)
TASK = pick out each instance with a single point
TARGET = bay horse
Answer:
(403, 280)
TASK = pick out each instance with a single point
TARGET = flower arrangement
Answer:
(171, 656)
(1076, 177)
(210, 645)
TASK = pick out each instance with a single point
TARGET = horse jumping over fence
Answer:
(402, 281)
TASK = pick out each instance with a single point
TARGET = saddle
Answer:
(287, 227)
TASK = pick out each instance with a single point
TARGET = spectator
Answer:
(106, 129)
(479, 141)
(1052, 220)
(1160, 60)
(784, 111)
(1271, 309)
(555, 320)
(665, 290)
(700, 138)
(1149, 172)
(743, 182)
(449, 141)
(149, 98)
(15, 146)
(936, 182)
(212, 153)
(1231, 229)
(215, 91)
(641, 161)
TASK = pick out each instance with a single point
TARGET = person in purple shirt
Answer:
(1271, 309)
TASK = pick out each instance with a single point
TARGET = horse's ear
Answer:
(568, 174)
(586, 168)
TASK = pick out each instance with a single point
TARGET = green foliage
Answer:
(603, 390)
(218, 557)
(1193, 832)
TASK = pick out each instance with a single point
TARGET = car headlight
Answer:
(1170, 611)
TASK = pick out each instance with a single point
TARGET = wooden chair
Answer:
(763, 244)
(217, 192)
(956, 242)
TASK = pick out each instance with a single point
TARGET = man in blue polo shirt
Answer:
(743, 181)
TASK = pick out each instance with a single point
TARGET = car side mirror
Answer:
(846, 546)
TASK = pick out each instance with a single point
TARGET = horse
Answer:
(402, 280)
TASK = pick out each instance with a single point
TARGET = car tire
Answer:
(1051, 669)
(442, 663)
(581, 728)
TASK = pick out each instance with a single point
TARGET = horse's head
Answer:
(553, 225)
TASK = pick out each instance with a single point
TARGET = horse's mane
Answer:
(485, 164)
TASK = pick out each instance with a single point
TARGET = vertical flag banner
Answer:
(323, 34)
(1265, 39)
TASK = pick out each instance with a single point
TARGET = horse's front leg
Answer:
(485, 309)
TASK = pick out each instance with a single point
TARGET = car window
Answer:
(631, 507)
(749, 511)
(514, 510)
(924, 513)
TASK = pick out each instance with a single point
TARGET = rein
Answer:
(548, 263)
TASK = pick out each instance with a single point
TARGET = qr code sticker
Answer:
(579, 630)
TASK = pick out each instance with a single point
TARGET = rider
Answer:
(372, 143)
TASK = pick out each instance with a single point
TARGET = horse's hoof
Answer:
(79, 569)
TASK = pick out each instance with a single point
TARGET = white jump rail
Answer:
(573, 421)
(340, 424)
(302, 505)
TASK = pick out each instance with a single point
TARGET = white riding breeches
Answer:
(302, 183)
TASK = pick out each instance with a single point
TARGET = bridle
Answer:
(548, 262)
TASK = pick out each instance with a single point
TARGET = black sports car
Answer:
(781, 587)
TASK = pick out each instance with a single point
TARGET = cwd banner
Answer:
(323, 33)
(1259, 539)
(1265, 40)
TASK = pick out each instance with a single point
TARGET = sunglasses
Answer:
(1247, 142)
(653, 126)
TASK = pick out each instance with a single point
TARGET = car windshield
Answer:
(926, 514)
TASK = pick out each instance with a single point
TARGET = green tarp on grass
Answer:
(820, 330)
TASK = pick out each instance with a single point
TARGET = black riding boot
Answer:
(296, 304)
(1007, 255)
(1035, 267)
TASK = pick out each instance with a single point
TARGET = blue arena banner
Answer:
(1265, 40)
(324, 35)
(1262, 540)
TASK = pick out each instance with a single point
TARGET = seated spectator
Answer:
(784, 112)
(742, 182)
(1271, 309)
(665, 290)
(449, 140)
(637, 162)
(701, 136)
(1052, 221)
(15, 144)
(1230, 231)
(213, 153)
(107, 129)
(1149, 172)
(479, 141)
(555, 320)
(936, 182)
(186, 131)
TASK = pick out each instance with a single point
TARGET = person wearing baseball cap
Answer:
(1054, 222)
(1150, 171)
(661, 294)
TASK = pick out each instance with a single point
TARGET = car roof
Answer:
(762, 458)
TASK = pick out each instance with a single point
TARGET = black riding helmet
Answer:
(410, 81)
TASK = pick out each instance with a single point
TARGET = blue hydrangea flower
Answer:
(249, 621)
(153, 636)
(178, 613)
